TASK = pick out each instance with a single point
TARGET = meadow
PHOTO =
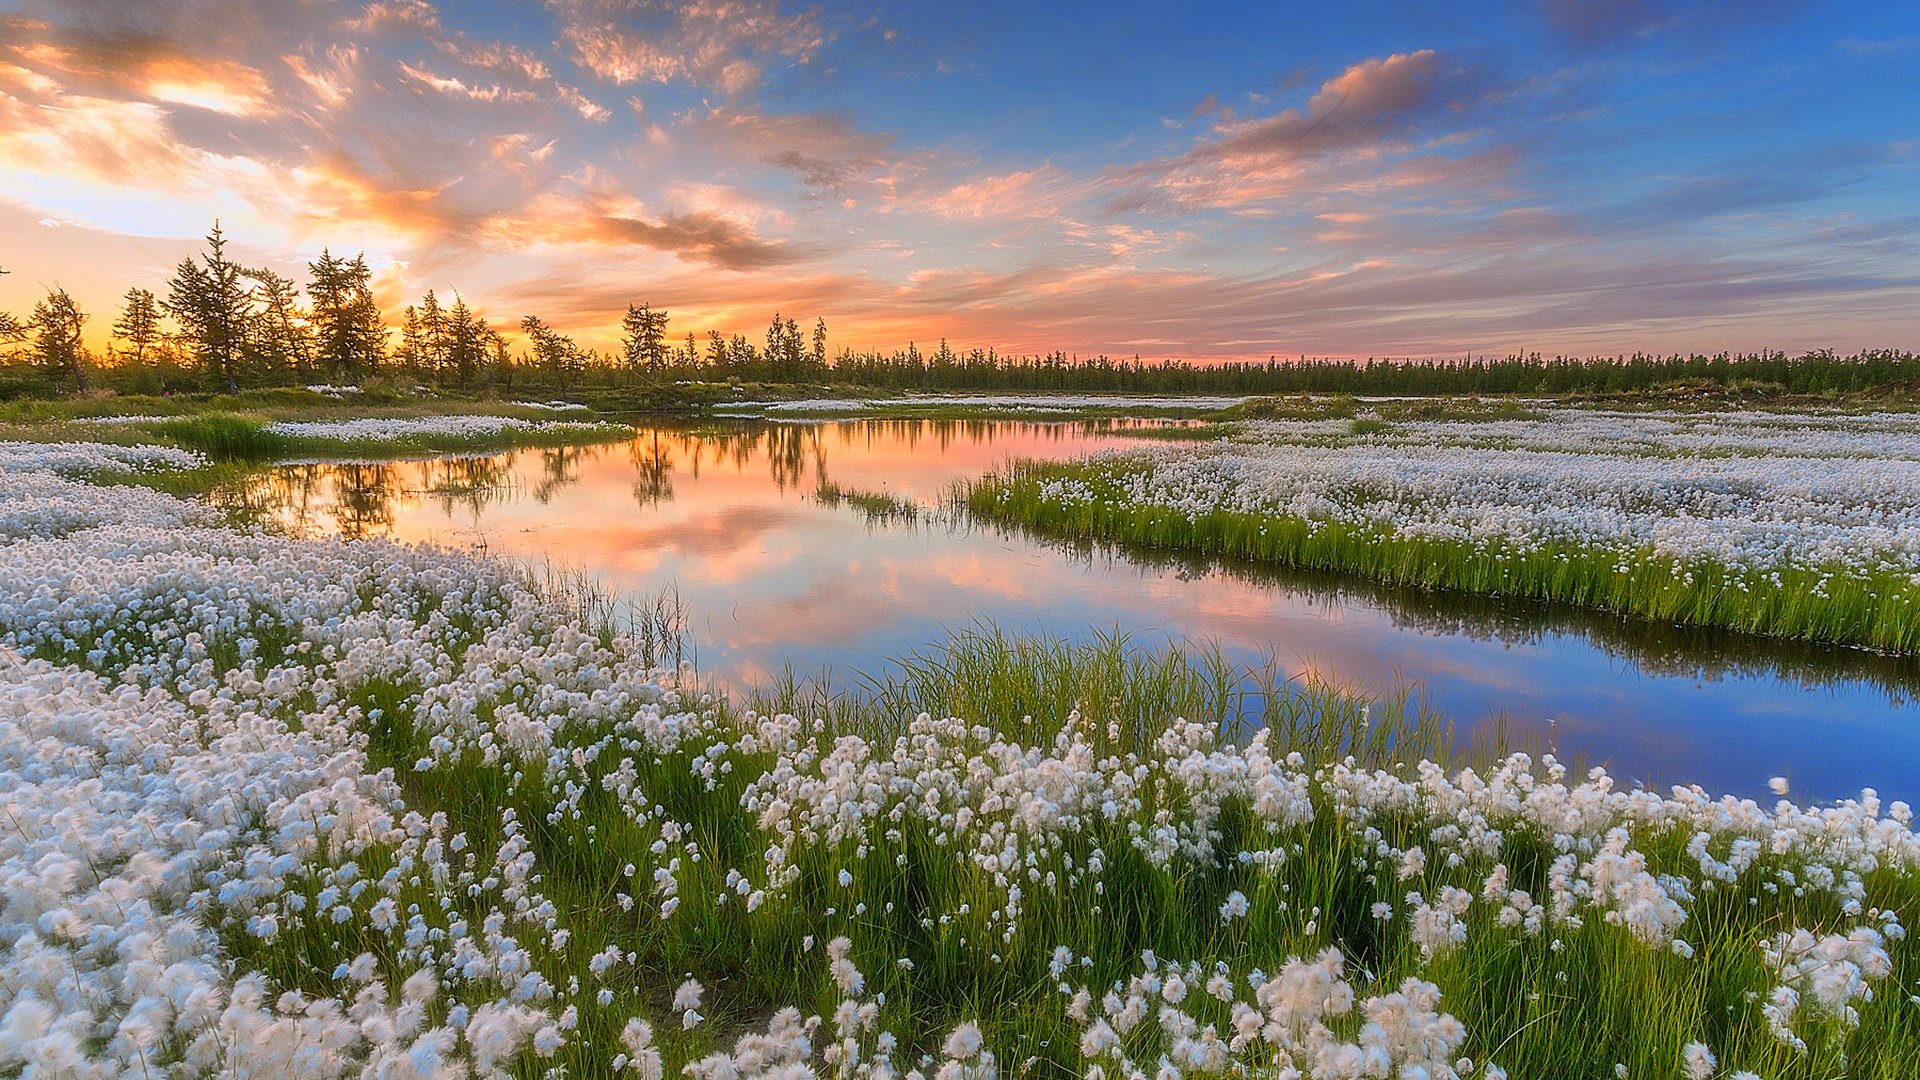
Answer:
(1800, 525)
(284, 806)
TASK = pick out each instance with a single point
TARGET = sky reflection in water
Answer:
(725, 515)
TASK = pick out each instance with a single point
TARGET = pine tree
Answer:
(139, 324)
(466, 345)
(57, 322)
(369, 326)
(351, 334)
(500, 356)
(412, 352)
(553, 352)
(794, 350)
(212, 308)
(10, 328)
(633, 337)
(433, 335)
(279, 340)
(776, 338)
(655, 345)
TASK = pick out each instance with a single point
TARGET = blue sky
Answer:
(1189, 180)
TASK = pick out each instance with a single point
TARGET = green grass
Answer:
(224, 437)
(878, 507)
(1879, 611)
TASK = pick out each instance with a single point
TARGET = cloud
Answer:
(1360, 121)
(1038, 192)
(701, 236)
(1604, 24)
(825, 150)
(1873, 47)
(456, 87)
(1370, 100)
(1742, 187)
(122, 65)
(385, 122)
(720, 44)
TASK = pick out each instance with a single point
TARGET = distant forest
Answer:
(221, 325)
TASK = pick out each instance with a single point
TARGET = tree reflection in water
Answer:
(358, 499)
(559, 469)
(652, 470)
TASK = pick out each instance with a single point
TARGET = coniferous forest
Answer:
(219, 325)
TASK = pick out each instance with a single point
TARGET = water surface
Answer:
(726, 515)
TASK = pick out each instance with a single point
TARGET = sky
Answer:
(1186, 180)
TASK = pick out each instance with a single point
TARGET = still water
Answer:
(726, 515)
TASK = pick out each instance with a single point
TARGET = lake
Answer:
(725, 514)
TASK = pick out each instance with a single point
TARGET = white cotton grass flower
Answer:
(1698, 1061)
(642, 1056)
(964, 1042)
(1778, 785)
(397, 429)
(686, 1002)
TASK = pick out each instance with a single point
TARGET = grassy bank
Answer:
(1880, 611)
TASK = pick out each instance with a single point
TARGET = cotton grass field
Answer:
(285, 806)
(1796, 525)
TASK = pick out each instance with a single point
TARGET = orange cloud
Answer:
(1352, 127)
(709, 42)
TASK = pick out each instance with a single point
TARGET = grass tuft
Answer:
(224, 436)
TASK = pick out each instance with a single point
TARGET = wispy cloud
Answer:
(720, 44)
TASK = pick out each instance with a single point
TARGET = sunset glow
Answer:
(1194, 182)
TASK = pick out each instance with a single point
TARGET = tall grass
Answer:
(1876, 611)
(1040, 685)
(878, 507)
(224, 437)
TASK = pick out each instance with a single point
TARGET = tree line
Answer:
(221, 325)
